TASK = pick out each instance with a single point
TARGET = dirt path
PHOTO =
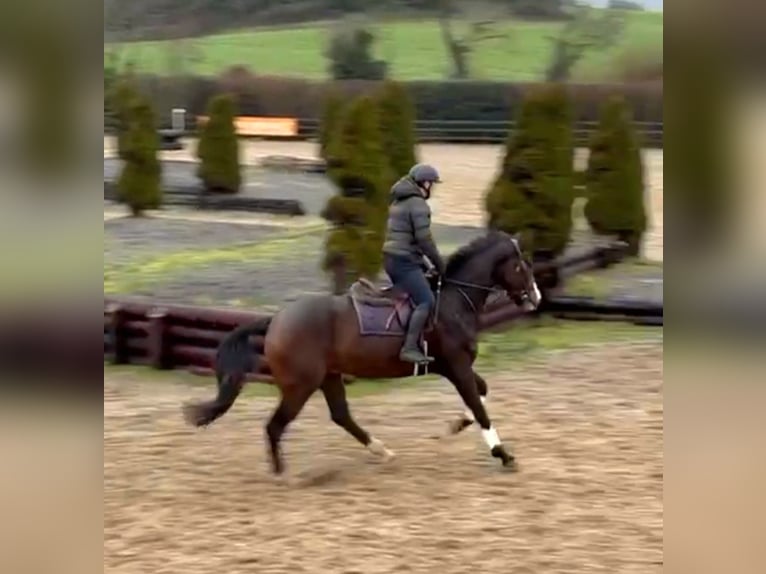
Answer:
(586, 427)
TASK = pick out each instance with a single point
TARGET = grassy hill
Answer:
(414, 50)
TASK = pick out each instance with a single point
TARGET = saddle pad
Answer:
(378, 320)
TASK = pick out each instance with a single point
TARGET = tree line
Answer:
(164, 19)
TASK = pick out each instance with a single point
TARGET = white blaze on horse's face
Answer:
(535, 297)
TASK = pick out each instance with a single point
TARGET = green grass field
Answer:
(125, 278)
(414, 50)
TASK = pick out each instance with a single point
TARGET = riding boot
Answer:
(411, 352)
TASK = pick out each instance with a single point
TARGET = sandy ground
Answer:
(586, 427)
(467, 170)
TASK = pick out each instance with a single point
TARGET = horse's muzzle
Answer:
(529, 300)
(535, 297)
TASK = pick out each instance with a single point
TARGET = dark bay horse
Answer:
(312, 341)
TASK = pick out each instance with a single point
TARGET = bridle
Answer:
(465, 296)
(494, 289)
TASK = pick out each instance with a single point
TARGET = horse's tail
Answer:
(233, 360)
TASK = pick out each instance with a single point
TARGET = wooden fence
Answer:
(186, 337)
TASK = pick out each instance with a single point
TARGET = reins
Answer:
(474, 285)
(459, 284)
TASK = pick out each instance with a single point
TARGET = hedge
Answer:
(477, 101)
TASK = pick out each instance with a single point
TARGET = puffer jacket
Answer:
(408, 232)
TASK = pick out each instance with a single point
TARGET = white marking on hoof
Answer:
(378, 448)
(490, 437)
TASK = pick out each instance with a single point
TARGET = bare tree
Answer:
(458, 47)
(589, 29)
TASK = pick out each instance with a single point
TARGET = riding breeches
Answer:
(409, 277)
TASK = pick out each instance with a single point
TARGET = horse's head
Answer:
(494, 260)
(514, 273)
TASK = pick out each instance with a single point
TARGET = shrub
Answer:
(397, 127)
(614, 178)
(534, 191)
(139, 182)
(350, 56)
(218, 148)
(329, 125)
(121, 98)
(358, 212)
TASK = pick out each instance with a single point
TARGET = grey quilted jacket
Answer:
(408, 232)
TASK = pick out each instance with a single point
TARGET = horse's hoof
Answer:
(508, 460)
(281, 480)
(277, 468)
(378, 448)
(459, 425)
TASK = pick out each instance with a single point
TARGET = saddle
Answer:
(381, 311)
(367, 293)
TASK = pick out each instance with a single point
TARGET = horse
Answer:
(311, 343)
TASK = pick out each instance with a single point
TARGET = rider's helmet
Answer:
(422, 173)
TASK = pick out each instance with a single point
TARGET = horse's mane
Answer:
(458, 259)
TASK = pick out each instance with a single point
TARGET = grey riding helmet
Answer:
(422, 172)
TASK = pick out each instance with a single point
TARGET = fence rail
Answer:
(185, 337)
(198, 198)
(469, 131)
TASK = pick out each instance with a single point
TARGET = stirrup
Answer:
(423, 359)
(421, 368)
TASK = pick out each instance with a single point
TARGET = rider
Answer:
(408, 239)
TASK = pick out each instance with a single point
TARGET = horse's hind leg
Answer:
(466, 418)
(335, 395)
(293, 400)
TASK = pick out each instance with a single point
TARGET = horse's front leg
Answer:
(466, 418)
(463, 377)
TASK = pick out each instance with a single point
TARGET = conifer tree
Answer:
(397, 127)
(614, 178)
(218, 148)
(358, 212)
(139, 184)
(534, 191)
